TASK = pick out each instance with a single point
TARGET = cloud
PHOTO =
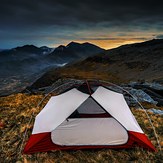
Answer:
(36, 19)
(159, 36)
(77, 13)
(113, 38)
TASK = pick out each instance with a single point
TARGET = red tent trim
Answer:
(42, 142)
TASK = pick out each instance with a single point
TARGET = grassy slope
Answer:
(15, 113)
(79, 70)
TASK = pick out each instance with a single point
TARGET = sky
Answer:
(106, 23)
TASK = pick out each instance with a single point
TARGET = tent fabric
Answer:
(90, 131)
(141, 140)
(49, 118)
(89, 106)
(103, 120)
(42, 142)
(117, 107)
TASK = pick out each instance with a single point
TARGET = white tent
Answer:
(77, 120)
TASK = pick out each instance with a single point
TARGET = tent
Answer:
(86, 116)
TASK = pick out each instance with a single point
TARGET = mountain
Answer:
(20, 60)
(74, 51)
(29, 57)
(46, 50)
(21, 66)
(134, 62)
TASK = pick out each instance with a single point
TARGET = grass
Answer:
(79, 70)
(89, 70)
(15, 113)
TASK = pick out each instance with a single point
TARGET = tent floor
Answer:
(89, 131)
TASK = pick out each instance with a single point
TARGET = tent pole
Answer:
(88, 87)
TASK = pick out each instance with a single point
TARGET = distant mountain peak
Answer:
(44, 47)
(75, 51)
(60, 47)
(90, 44)
(85, 44)
(27, 46)
(72, 43)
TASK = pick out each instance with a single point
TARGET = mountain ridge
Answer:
(132, 62)
(21, 66)
(74, 50)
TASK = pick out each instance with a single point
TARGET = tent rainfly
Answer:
(86, 117)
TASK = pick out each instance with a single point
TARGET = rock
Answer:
(156, 111)
(154, 90)
(59, 86)
(141, 96)
(153, 85)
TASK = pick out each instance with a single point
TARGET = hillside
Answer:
(134, 62)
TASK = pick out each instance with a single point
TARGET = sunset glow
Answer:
(107, 24)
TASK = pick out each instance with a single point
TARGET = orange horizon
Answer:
(106, 44)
